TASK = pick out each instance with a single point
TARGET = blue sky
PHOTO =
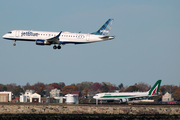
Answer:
(146, 47)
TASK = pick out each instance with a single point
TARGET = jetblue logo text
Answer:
(29, 34)
(104, 31)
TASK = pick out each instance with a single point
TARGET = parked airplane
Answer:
(126, 96)
(48, 38)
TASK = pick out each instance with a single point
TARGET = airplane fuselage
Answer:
(64, 38)
(118, 96)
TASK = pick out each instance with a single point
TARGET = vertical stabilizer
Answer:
(105, 29)
(155, 89)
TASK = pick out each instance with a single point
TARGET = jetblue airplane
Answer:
(126, 96)
(60, 38)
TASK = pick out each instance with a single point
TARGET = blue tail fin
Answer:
(105, 29)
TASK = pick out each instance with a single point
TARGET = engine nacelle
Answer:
(42, 42)
(123, 100)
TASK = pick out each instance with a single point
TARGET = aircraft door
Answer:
(87, 37)
(17, 33)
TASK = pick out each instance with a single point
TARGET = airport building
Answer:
(167, 97)
(6, 96)
(55, 93)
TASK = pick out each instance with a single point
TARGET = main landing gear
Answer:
(56, 47)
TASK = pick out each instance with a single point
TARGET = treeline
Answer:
(85, 87)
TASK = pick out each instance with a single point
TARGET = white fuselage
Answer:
(119, 96)
(64, 38)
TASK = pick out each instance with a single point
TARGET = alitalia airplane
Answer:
(60, 38)
(126, 96)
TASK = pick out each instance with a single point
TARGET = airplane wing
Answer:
(55, 39)
(139, 97)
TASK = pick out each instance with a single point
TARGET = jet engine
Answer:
(123, 100)
(42, 42)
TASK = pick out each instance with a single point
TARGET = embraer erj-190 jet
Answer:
(48, 38)
(127, 96)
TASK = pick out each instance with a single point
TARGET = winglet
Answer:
(59, 34)
(54, 39)
(155, 89)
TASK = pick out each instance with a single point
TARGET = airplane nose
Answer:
(4, 36)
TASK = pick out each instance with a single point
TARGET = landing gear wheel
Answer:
(54, 47)
(14, 43)
(59, 47)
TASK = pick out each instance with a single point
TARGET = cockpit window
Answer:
(9, 32)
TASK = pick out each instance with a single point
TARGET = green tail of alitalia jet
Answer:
(154, 90)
